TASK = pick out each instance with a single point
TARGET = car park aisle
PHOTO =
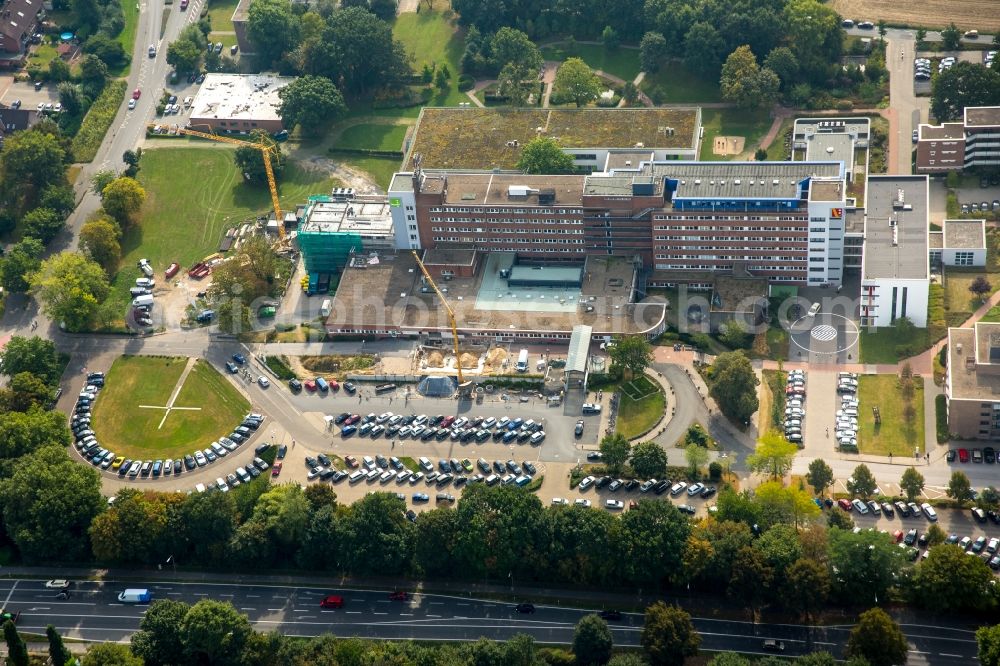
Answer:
(821, 407)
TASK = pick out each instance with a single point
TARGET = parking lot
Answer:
(30, 98)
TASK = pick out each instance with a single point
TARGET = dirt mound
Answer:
(496, 356)
(435, 359)
(469, 360)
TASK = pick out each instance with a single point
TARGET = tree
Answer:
(696, 457)
(70, 287)
(213, 632)
(22, 258)
(57, 651)
(807, 587)
(250, 160)
(949, 580)
(310, 101)
(652, 49)
(511, 45)
(542, 155)
(873, 559)
(935, 535)
(384, 9)
(24, 392)
(131, 159)
(515, 82)
(33, 159)
(100, 180)
(185, 55)
(48, 502)
(989, 498)
(93, 74)
(71, 98)
(654, 534)
(632, 353)
(729, 659)
(99, 240)
(110, 654)
(35, 355)
(592, 641)
(912, 483)
(43, 224)
(441, 80)
(159, 639)
(357, 51)
(576, 81)
(610, 38)
(951, 37)
(627, 659)
(819, 476)
(649, 460)
(779, 503)
(17, 651)
(131, 531)
(122, 198)
(980, 287)
(988, 639)
(750, 579)
(733, 385)
(110, 51)
(22, 433)
(921, 35)
(966, 84)
(668, 635)
(704, 49)
(773, 455)
(862, 482)
(878, 639)
(814, 34)
(959, 486)
(783, 62)
(615, 451)
(734, 333)
(630, 93)
(745, 83)
(273, 28)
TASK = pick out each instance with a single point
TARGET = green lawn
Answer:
(894, 435)
(221, 14)
(881, 345)
(622, 62)
(676, 84)
(128, 430)
(227, 40)
(993, 315)
(733, 122)
(434, 39)
(193, 194)
(127, 36)
(373, 136)
(380, 168)
(637, 416)
(958, 298)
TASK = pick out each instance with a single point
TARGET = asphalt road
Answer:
(94, 613)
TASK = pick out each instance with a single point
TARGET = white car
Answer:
(200, 458)
(614, 505)
(559, 501)
(929, 512)
(58, 584)
(263, 381)
(587, 482)
(131, 104)
(695, 488)
(585, 503)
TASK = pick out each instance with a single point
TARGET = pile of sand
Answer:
(496, 356)
(435, 359)
(469, 360)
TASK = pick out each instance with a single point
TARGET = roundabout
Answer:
(824, 338)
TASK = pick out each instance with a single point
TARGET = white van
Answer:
(522, 361)
(145, 299)
(356, 476)
(426, 464)
(135, 596)
(325, 309)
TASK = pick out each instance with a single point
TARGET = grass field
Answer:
(879, 346)
(221, 13)
(127, 36)
(380, 168)
(967, 14)
(894, 435)
(192, 196)
(958, 298)
(622, 62)
(373, 136)
(733, 122)
(128, 430)
(680, 85)
(433, 38)
(637, 416)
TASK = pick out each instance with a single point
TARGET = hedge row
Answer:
(97, 121)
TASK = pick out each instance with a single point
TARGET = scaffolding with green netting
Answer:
(325, 251)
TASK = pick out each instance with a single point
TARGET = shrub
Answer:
(279, 366)
(941, 412)
(904, 351)
(97, 121)
(466, 83)
(714, 470)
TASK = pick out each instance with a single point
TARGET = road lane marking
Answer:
(253, 596)
(252, 609)
(377, 613)
(274, 609)
(946, 654)
(10, 593)
(918, 652)
(354, 612)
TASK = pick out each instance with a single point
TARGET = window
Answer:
(963, 258)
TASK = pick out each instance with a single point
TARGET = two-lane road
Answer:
(93, 613)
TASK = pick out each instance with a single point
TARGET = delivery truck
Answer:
(135, 596)
(522, 361)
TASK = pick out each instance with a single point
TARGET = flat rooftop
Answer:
(464, 188)
(982, 116)
(935, 240)
(973, 376)
(826, 190)
(965, 234)
(239, 97)
(896, 238)
(716, 180)
(622, 159)
(387, 295)
(856, 125)
(943, 131)
(838, 147)
(442, 256)
(359, 216)
(475, 138)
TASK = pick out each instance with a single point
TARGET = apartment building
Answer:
(974, 142)
(973, 381)
(782, 221)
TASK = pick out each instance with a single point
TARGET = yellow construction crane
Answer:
(451, 315)
(265, 151)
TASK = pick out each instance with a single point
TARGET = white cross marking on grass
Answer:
(169, 407)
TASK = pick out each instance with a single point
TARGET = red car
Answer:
(399, 596)
(845, 504)
(352, 419)
(963, 455)
(351, 461)
(447, 421)
(334, 386)
(136, 93)
(171, 270)
(898, 535)
(332, 601)
(310, 385)
(276, 469)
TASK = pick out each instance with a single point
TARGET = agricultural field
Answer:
(967, 14)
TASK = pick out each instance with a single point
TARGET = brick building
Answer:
(972, 143)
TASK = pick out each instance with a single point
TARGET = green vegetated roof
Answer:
(475, 138)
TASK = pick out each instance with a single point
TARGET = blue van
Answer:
(322, 385)
(347, 431)
(510, 437)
